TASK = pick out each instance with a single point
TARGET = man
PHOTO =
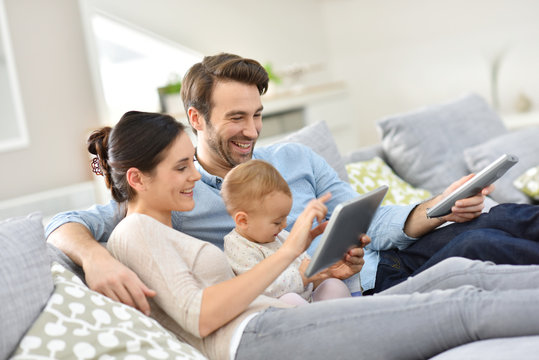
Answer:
(222, 98)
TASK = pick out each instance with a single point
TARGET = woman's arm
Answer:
(224, 301)
(243, 256)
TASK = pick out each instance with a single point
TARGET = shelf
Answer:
(284, 99)
(521, 120)
(299, 96)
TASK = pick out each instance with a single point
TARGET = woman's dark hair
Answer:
(137, 141)
(199, 82)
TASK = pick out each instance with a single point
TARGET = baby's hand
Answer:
(301, 234)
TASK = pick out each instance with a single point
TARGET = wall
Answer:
(57, 97)
(400, 55)
(56, 77)
(279, 31)
(394, 56)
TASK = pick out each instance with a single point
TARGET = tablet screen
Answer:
(348, 221)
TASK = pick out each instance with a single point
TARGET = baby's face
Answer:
(269, 218)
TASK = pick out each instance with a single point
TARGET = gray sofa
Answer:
(52, 313)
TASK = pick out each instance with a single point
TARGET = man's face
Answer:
(235, 122)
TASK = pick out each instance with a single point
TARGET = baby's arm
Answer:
(242, 257)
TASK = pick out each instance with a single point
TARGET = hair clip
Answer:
(96, 168)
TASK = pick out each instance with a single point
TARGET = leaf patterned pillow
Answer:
(528, 183)
(78, 323)
(368, 175)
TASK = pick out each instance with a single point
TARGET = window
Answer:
(133, 63)
(13, 132)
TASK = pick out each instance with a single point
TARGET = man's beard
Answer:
(222, 148)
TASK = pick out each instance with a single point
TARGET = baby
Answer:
(259, 200)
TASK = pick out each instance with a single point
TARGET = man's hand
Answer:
(113, 279)
(103, 272)
(468, 208)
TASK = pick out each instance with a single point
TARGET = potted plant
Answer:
(169, 94)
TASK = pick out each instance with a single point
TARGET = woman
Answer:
(148, 162)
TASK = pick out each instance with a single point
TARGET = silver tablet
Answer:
(485, 177)
(349, 220)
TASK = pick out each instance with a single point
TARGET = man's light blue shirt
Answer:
(308, 175)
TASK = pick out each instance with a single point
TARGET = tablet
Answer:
(349, 220)
(485, 177)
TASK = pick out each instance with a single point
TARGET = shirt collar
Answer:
(206, 177)
(209, 179)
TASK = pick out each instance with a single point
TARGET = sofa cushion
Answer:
(528, 183)
(365, 153)
(318, 137)
(80, 323)
(57, 255)
(521, 348)
(425, 147)
(522, 143)
(25, 278)
(368, 175)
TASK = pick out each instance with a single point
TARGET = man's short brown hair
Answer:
(199, 82)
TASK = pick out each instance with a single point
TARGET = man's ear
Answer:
(241, 219)
(135, 179)
(195, 119)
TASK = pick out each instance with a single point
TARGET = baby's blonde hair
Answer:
(248, 183)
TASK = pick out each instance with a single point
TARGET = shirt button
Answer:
(218, 181)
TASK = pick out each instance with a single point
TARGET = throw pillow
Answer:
(78, 323)
(25, 278)
(368, 175)
(522, 143)
(425, 146)
(528, 183)
(318, 137)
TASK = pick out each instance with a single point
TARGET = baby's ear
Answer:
(241, 219)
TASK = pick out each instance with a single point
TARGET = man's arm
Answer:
(464, 210)
(398, 226)
(103, 273)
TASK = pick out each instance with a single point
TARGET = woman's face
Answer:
(170, 187)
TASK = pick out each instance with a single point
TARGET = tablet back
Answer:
(349, 220)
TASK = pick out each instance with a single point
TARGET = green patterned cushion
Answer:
(528, 183)
(78, 323)
(365, 176)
